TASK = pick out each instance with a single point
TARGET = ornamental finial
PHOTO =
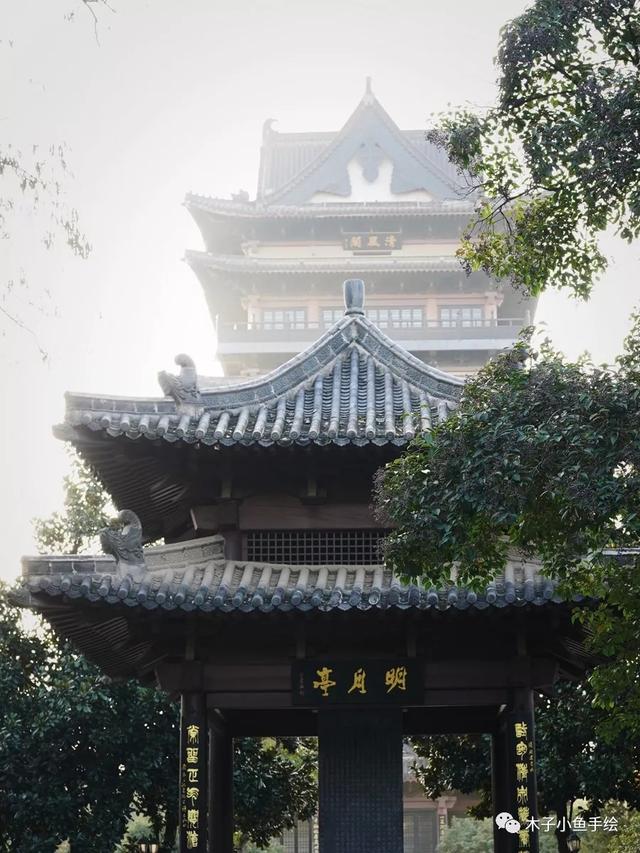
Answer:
(354, 296)
(368, 96)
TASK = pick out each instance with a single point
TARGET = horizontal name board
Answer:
(371, 241)
(388, 682)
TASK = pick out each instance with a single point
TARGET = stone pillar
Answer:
(220, 787)
(192, 822)
(360, 776)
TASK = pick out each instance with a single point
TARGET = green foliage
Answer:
(275, 784)
(628, 839)
(574, 762)
(542, 457)
(455, 763)
(139, 829)
(86, 511)
(466, 835)
(76, 754)
(274, 847)
(558, 158)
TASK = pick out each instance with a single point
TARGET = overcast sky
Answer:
(172, 98)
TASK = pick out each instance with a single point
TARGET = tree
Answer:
(541, 457)
(275, 784)
(466, 835)
(87, 507)
(557, 159)
(79, 755)
(629, 837)
(574, 761)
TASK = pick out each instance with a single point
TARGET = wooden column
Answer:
(192, 823)
(513, 771)
(522, 748)
(360, 775)
(220, 786)
(500, 776)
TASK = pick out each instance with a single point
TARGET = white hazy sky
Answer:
(173, 99)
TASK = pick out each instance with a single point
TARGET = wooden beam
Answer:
(450, 721)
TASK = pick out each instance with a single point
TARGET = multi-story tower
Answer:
(370, 201)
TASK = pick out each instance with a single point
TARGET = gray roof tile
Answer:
(328, 210)
(353, 386)
(196, 576)
(252, 265)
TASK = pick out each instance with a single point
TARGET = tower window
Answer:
(284, 318)
(452, 316)
(396, 318)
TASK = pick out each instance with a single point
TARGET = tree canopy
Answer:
(557, 159)
(77, 753)
(541, 457)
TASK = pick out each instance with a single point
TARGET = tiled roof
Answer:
(348, 265)
(327, 210)
(293, 169)
(196, 576)
(353, 386)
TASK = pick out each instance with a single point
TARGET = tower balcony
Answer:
(245, 338)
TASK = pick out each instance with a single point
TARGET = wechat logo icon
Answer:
(506, 821)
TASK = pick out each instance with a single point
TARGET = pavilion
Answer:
(268, 610)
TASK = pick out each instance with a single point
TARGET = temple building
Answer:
(268, 609)
(370, 201)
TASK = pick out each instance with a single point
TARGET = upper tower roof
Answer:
(294, 167)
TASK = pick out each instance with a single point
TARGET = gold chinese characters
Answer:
(190, 799)
(360, 682)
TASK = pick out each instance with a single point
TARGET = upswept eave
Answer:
(195, 575)
(233, 208)
(245, 265)
(103, 604)
(353, 386)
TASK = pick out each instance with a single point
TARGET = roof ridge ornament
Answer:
(123, 540)
(368, 97)
(353, 289)
(184, 387)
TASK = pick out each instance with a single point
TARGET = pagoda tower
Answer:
(369, 201)
(269, 610)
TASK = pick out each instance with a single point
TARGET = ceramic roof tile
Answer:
(353, 386)
(196, 576)
(246, 265)
(326, 210)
